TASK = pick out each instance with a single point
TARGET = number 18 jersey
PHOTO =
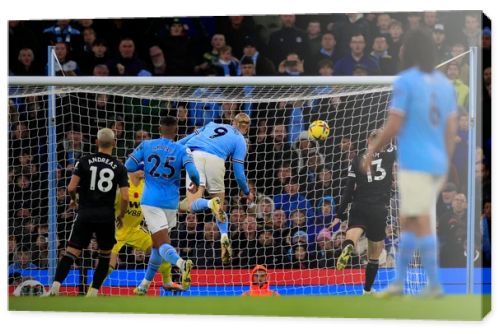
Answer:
(163, 160)
(375, 186)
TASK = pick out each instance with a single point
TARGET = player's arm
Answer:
(451, 126)
(187, 162)
(73, 184)
(239, 155)
(124, 199)
(184, 140)
(134, 161)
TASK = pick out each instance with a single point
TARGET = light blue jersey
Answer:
(163, 160)
(426, 100)
(223, 141)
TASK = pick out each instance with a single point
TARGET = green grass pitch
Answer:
(450, 307)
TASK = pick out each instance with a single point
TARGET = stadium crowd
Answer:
(296, 183)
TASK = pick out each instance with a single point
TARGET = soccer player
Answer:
(422, 115)
(96, 178)
(131, 233)
(211, 146)
(259, 283)
(163, 160)
(370, 194)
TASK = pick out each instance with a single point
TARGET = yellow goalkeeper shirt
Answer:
(133, 217)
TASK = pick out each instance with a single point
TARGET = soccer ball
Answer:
(319, 130)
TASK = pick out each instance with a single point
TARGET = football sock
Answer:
(407, 244)
(223, 227)
(370, 273)
(169, 254)
(166, 272)
(429, 254)
(155, 261)
(347, 242)
(101, 271)
(64, 266)
(199, 205)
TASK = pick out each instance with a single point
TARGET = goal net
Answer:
(297, 182)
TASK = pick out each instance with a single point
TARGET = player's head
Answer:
(259, 275)
(168, 126)
(418, 50)
(105, 138)
(242, 122)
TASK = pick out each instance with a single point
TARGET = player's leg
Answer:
(105, 236)
(374, 250)
(79, 237)
(352, 236)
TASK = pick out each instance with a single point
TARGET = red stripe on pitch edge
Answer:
(278, 277)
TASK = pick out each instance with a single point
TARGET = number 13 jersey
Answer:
(375, 186)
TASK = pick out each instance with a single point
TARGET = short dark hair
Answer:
(168, 121)
(419, 51)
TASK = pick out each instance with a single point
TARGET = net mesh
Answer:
(291, 238)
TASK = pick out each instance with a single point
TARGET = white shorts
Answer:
(158, 219)
(211, 169)
(418, 192)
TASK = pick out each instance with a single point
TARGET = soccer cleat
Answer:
(344, 257)
(371, 292)
(215, 205)
(186, 274)
(140, 290)
(50, 293)
(432, 292)
(172, 286)
(392, 290)
(226, 250)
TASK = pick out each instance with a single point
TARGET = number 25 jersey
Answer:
(163, 160)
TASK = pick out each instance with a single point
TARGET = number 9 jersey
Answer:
(163, 160)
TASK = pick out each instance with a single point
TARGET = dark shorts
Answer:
(86, 226)
(371, 218)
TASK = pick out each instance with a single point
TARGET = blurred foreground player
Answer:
(96, 178)
(259, 284)
(423, 117)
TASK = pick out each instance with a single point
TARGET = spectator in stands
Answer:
(100, 70)
(380, 52)
(309, 174)
(237, 218)
(460, 156)
(357, 55)
(26, 64)
(68, 67)
(97, 56)
(209, 58)
(208, 250)
(303, 148)
(259, 283)
(430, 20)
(122, 145)
(461, 89)
(439, 39)
(325, 253)
(300, 257)
(314, 36)
(22, 261)
(237, 29)
(287, 40)
(327, 51)
(383, 24)
(396, 31)
(226, 64)
(444, 207)
(486, 233)
(458, 48)
(186, 236)
(140, 136)
(62, 32)
(65, 214)
(19, 141)
(126, 63)
(267, 253)
(472, 29)
(246, 246)
(71, 149)
(21, 36)
(89, 38)
(158, 63)
(181, 113)
(265, 209)
(291, 200)
(359, 70)
(350, 25)
(414, 20)
(325, 213)
(12, 244)
(247, 67)
(292, 65)
(325, 67)
(40, 253)
(263, 66)
(176, 46)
